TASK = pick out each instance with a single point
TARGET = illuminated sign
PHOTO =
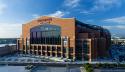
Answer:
(41, 21)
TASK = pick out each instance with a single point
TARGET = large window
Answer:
(45, 34)
(85, 47)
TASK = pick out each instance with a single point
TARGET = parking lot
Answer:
(23, 58)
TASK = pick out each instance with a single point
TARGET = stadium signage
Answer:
(48, 20)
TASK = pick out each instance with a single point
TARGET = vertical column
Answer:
(51, 51)
(67, 52)
(67, 47)
(45, 50)
(41, 50)
(74, 48)
(17, 44)
(56, 51)
(82, 46)
(61, 47)
(25, 46)
(24, 49)
(29, 50)
(90, 50)
(32, 49)
(37, 50)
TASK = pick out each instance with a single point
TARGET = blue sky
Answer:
(107, 13)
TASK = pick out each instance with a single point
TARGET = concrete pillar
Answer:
(29, 50)
(51, 51)
(61, 48)
(67, 48)
(37, 50)
(67, 52)
(56, 51)
(46, 51)
(74, 56)
(25, 49)
(33, 49)
(90, 50)
(41, 50)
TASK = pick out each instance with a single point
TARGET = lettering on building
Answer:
(41, 21)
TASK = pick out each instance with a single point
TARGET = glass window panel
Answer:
(34, 34)
(47, 34)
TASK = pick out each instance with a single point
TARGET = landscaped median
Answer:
(91, 67)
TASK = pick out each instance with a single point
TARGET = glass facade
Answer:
(45, 34)
(82, 50)
(85, 47)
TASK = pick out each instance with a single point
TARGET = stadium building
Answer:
(64, 38)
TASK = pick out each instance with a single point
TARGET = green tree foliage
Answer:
(88, 67)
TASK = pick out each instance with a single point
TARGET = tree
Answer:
(88, 67)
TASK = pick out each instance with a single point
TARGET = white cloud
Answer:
(108, 27)
(86, 12)
(119, 20)
(58, 14)
(102, 5)
(105, 4)
(10, 30)
(35, 16)
(71, 3)
(2, 7)
(120, 27)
